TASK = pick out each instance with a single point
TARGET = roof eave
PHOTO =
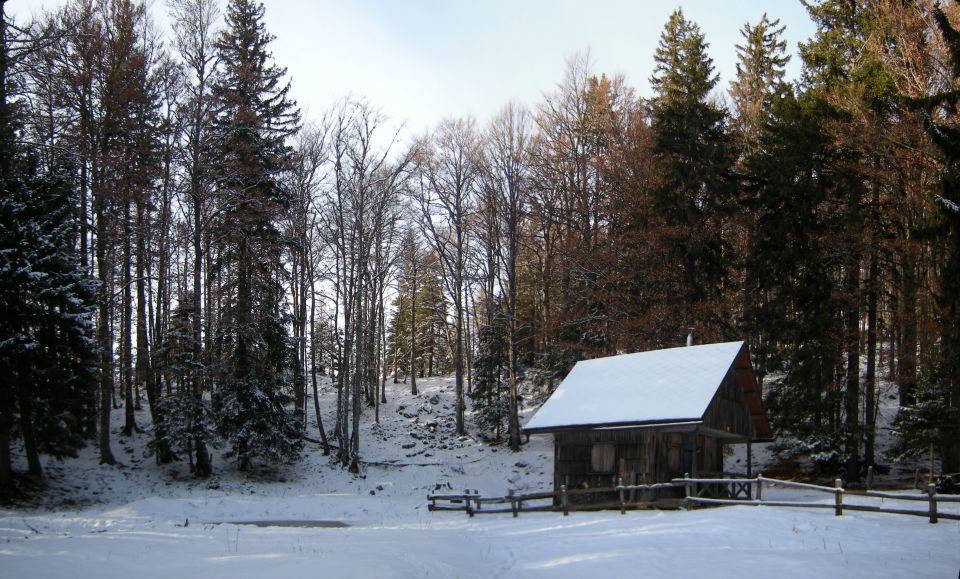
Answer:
(615, 425)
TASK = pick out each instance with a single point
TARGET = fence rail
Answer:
(931, 498)
(472, 503)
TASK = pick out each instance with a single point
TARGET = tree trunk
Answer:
(514, 417)
(6, 466)
(907, 358)
(104, 336)
(413, 330)
(383, 350)
(28, 435)
(458, 364)
(313, 364)
(852, 347)
(126, 337)
(144, 368)
(871, 377)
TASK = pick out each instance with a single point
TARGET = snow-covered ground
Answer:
(145, 520)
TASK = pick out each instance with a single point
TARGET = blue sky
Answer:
(423, 60)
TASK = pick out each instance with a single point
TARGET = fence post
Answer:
(563, 500)
(688, 486)
(838, 495)
(760, 487)
(466, 499)
(623, 508)
(513, 503)
(932, 492)
(869, 477)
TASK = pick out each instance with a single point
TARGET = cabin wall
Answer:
(640, 456)
(727, 411)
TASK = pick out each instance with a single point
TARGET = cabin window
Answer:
(602, 458)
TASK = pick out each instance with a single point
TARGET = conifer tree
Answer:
(795, 296)
(48, 353)
(855, 96)
(758, 87)
(934, 417)
(760, 71)
(491, 388)
(435, 345)
(186, 424)
(255, 117)
(694, 191)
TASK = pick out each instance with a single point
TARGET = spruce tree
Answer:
(760, 71)
(185, 421)
(757, 88)
(934, 417)
(491, 389)
(794, 305)
(683, 70)
(255, 117)
(434, 340)
(694, 189)
(48, 353)
(855, 95)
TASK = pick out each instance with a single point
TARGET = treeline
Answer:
(197, 244)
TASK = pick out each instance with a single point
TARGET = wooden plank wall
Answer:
(727, 411)
(642, 456)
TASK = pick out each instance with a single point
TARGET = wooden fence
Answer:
(707, 491)
(931, 498)
(472, 503)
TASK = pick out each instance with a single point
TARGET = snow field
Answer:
(398, 538)
(140, 521)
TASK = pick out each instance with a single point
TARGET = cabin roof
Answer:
(645, 388)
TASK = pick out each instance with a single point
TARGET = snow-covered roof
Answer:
(647, 387)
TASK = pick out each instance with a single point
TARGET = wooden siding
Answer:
(753, 396)
(642, 456)
(727, 412)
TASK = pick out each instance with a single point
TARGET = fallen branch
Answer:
(403, 464)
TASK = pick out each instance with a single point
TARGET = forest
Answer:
(175, 234)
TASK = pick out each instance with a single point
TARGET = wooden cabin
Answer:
(652, 416)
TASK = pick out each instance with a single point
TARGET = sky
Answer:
(420, 61)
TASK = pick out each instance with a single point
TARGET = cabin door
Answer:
(686, 458)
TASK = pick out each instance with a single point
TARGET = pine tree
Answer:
(255, 117)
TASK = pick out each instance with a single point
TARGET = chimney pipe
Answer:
(690, 338)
